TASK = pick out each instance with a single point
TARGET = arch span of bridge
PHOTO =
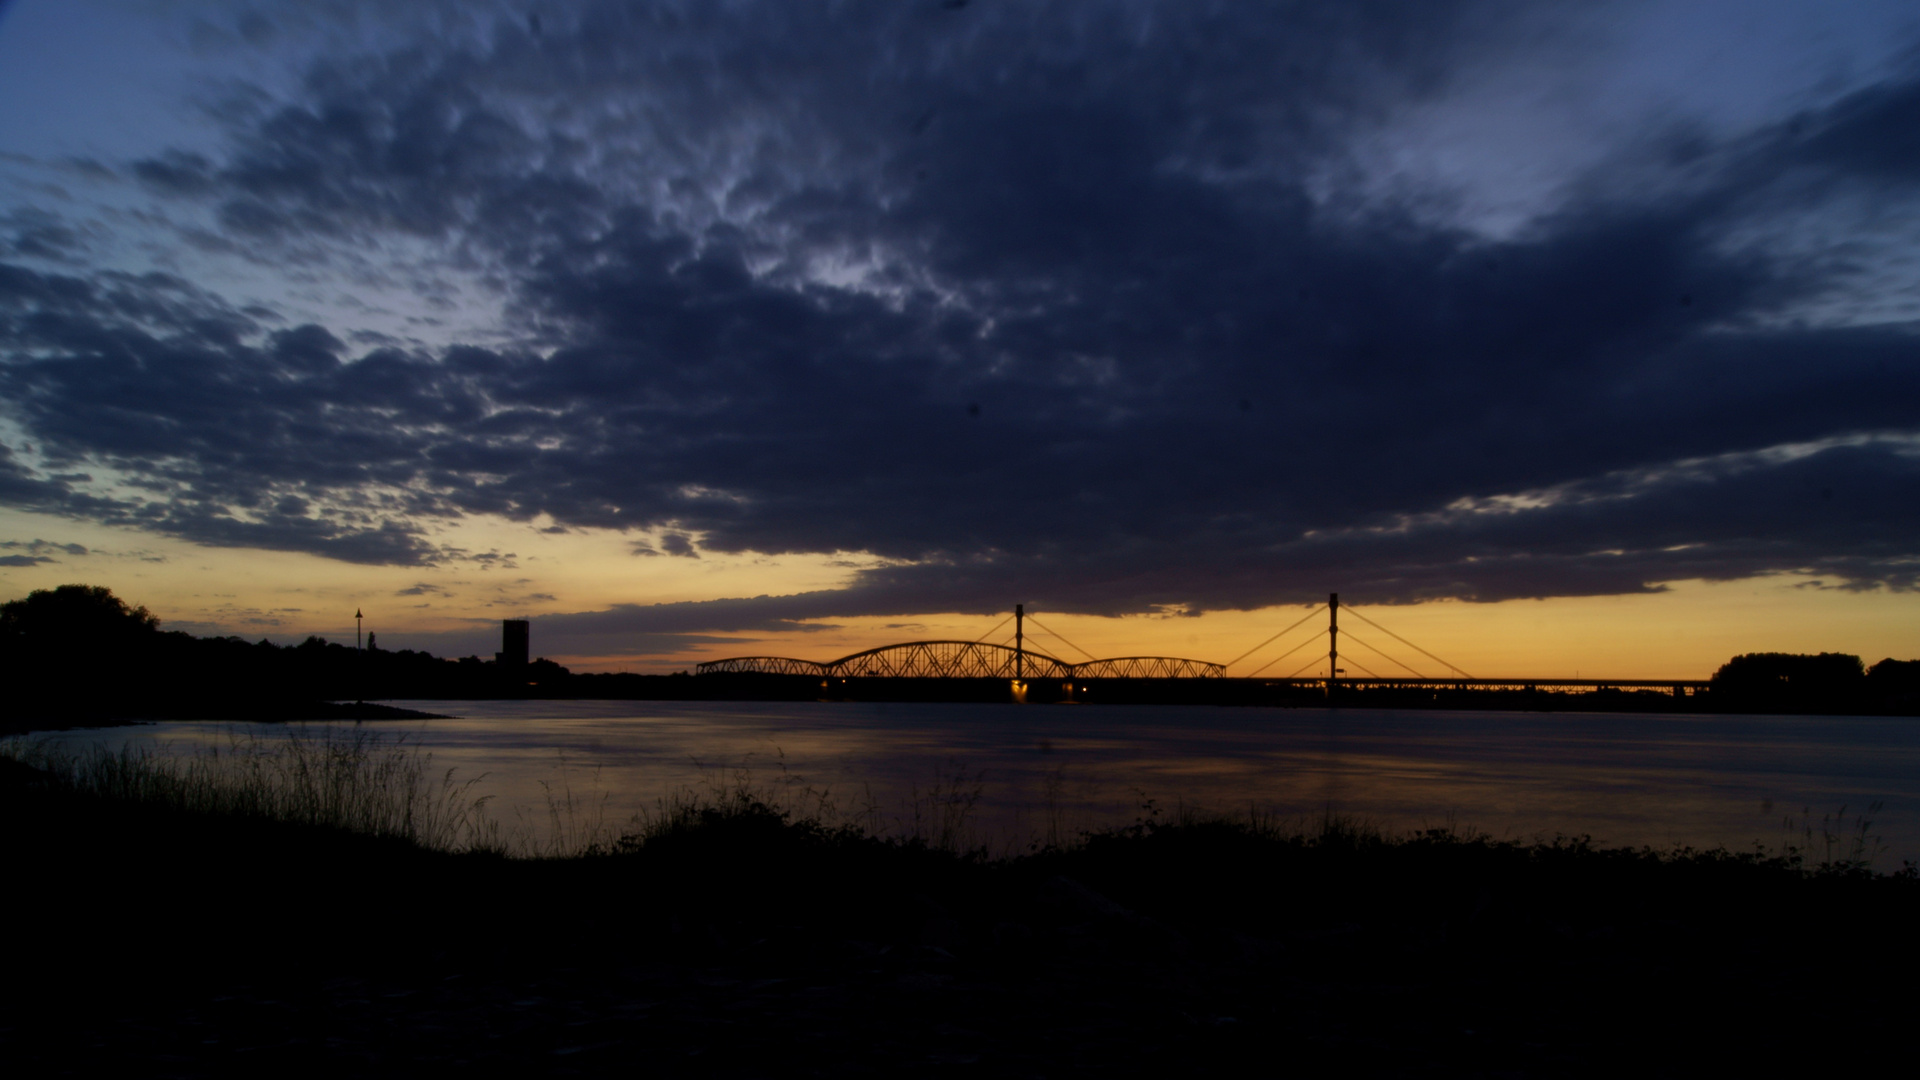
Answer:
(966, 660)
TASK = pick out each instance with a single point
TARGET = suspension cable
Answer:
(1270, 641)
(1030, 646)
(1356, 640)
(1051, 631)
(989, 633)
(1284, 655)
(1303, 667)
(1362, 666)
(1403, 641)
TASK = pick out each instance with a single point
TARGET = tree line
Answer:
(79, 651)
(1820, 682)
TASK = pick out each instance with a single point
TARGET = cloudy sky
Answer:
(1560, 332)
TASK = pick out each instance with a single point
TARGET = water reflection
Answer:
(1020, 775)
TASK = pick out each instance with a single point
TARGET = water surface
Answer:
(1009, 776)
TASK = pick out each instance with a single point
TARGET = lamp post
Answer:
(359, 665)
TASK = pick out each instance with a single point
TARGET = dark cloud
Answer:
(176, 173)
(1873, 136)
(37, 234)
(660, 629)
(39, 548)
(678, 544)
(1040, 302)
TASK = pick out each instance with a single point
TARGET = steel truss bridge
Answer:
(966, 660)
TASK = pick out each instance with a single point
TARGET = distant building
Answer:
(514, 636)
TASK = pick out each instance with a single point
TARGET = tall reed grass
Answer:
(349, 779)
(1839, 843)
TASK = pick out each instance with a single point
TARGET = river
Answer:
(1006, 777)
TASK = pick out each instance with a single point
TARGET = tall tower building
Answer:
(514, 636)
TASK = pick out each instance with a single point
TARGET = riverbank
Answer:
(726, 937)
(258, 712)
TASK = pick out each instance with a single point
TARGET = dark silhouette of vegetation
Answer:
(66, 639)
(77, 653)
(1792, 673)
(735, 937)
(1895, 684)
(1816, 683)
(75, 617)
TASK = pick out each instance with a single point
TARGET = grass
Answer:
(335, 900)
(1838, 844)
(351, 780)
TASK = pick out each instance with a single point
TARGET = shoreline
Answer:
(271, 713)
(385, 709)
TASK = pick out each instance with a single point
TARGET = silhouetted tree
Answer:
(1791, 680)
(1896, 683)
(76, 645)
(75, 616)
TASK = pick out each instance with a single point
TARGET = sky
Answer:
(1562, 339)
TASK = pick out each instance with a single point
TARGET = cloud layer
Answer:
(1077, 304)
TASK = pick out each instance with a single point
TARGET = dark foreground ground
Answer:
(156, 944)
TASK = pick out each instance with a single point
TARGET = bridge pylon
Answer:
(1019, 641)
(1333, 641)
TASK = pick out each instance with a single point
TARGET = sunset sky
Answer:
(1564, 339)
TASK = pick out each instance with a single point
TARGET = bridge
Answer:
(1018, 660)
(967, 660)
(971, 660)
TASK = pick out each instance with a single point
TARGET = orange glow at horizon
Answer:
(1683, 632)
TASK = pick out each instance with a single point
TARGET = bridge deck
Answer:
(1466, 683)
(974, 660)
